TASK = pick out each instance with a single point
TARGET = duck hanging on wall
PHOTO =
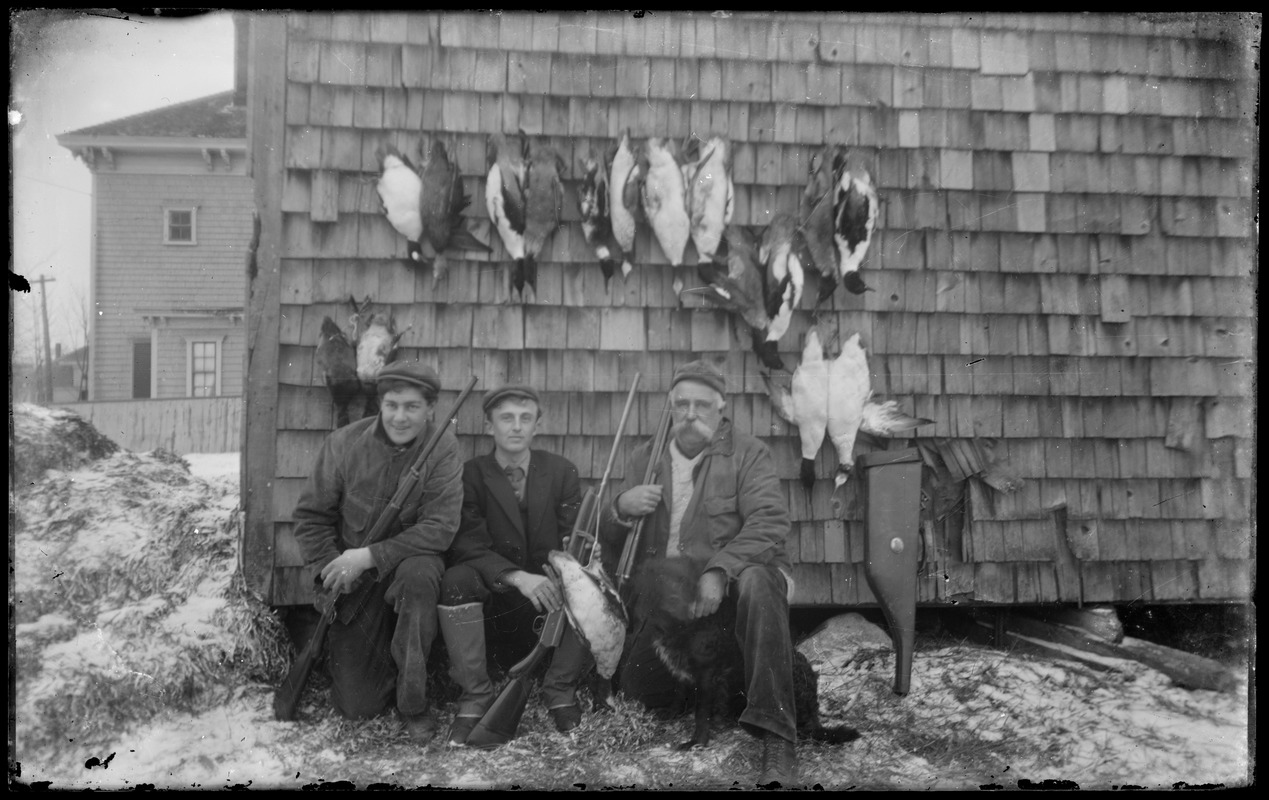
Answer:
(852, 410)
(625, 197)
(818, 216)
(375, 338)
(441, 204)
(664, 203)
(544, 204)
(781, 252)
(505, 201)
(593, 200)
(855, 213)
(738, 288)
(805, 403)
(709, 193)
(400, 190)
(337, 360)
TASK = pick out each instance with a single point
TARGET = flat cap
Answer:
(413, 372)
(511, 390)
(700, 372)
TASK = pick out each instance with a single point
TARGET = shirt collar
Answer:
(522, 464)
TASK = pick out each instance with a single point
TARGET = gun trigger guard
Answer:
(538, 624)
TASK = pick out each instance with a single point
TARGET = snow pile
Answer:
(128, 597)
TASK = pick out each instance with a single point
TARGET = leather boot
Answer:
(779, 762)
(463, 628)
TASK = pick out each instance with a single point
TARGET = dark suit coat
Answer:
(492, 536)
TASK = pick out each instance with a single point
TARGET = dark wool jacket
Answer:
(357, 472)
(493, 537)
(738, 514)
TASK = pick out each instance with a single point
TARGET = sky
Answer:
(71, 70)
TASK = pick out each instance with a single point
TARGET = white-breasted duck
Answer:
(709, 194)
(400, 189)
(805, 403)
(505, 200)
(375, 337)
(625, 197)
(664, 202)
(849, 387)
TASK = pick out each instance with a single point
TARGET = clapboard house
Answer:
(1062, 274)
(171, 219)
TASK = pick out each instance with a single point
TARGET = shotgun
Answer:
(287, 697)
(499, 723)
(630, 551)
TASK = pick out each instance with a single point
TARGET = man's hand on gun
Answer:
(638, 501)
(540, 590)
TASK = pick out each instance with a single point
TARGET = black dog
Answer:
(703, 653)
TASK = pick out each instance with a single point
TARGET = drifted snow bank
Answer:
(128, 598)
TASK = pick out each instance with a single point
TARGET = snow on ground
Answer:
(112, 632)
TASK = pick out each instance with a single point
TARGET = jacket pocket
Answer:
(355, 513)
(724, 520)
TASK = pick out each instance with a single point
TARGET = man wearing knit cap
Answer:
(716, 499)
(518, 505)
(385, 620)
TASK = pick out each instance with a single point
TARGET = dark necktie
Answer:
(516, 476)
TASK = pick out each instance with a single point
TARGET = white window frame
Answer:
(193, 225)
(190, 341)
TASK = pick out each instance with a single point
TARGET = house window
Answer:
(141, 370)
(204, 369)
(179, 225)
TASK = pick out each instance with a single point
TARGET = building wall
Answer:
(136, 271)
(1061, 275)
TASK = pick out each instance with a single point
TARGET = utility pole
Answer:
(47, 381)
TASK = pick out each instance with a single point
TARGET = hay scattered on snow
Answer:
(129, 599)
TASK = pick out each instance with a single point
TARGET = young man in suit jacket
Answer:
(518, 505)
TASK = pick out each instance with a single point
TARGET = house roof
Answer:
(211, 117)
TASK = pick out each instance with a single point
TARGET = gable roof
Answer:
(211, 117)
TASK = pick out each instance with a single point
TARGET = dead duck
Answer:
(849, 387)
(625, 203)
(738, 288)
(337, 361)
(400, 189)
(375, 338)
(709, 193)
(855, 209)
(818, 217)
(544, 204)
(441, 204)
(805, 403)
(505, 200)
(785, 274)
(593, 200)
(664, 202)
(593, 607)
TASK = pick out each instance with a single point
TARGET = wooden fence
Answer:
(185, 425)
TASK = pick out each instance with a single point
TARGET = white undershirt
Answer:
(681, 490)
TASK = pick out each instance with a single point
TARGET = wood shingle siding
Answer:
(1061, 273)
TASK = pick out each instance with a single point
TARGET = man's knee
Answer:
(417, 577)
(461, 585)
(760, 581)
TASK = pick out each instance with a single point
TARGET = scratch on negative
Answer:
(102, 635)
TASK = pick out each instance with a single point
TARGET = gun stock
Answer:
(287, 698)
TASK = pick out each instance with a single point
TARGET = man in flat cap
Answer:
(716, 499)
(518, 504)
(386, 616)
